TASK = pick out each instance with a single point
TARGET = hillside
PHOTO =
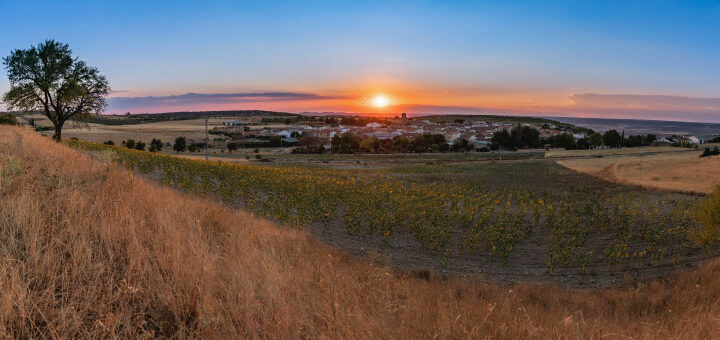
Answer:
(90, 250)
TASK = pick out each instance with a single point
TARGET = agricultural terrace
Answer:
(518, 220)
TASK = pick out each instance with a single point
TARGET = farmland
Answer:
(92, 250)
(508, 221)
(674, 171)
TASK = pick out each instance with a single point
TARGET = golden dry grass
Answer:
(610, 152)
(681, 172)
(88, 250)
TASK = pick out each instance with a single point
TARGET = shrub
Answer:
(708, 216)
(130, 144)
(708, 152)
(43, 128)
(8, 119)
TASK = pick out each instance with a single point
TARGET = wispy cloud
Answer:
(653, 107)
(152, 103)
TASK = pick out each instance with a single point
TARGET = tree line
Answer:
(528, 137)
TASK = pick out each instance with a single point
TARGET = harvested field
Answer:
(611, 152)
(675, 172)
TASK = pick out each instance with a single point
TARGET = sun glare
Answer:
(380, 101)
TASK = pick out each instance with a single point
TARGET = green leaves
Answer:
(48, 78)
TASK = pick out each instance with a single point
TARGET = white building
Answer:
(694, 140)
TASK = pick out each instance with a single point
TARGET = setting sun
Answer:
(380, 101)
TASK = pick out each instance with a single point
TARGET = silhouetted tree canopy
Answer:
(48, 78)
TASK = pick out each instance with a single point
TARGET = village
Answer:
(320, 132)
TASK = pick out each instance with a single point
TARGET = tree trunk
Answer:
(58, 132)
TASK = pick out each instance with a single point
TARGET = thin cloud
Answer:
(193, 99)
(646, 102)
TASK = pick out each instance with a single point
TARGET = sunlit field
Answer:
(682, 172)
(612, 152)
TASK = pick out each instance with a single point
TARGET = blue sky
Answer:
(444, 57)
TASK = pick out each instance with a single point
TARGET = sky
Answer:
(609, 59)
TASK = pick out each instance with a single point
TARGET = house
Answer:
(693, 140)
(374, 125)
(234, 123)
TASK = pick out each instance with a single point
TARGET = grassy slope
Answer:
(89, 250)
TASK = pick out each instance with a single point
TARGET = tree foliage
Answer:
(595, 139)
(518, 137)
(180, 144)
(155, 145)
(612, 138)
(49, 79)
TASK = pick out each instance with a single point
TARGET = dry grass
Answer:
(676, 172)
(88, 250)
(611, 152)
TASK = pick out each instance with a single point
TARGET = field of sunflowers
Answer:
(488, 208)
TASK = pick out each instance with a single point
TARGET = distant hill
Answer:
(638, 127)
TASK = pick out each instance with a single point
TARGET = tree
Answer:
(461, 144)
(400, 144)
(156, 145)
(48, 78)
(180, 145)
(502, 139)
(130, 144)
(525, 136)
(345, 143)
(140, 145)
(275, 141)
(109, 142)
(595, 139)
(564, 140)
(612, 138)
(232, 146)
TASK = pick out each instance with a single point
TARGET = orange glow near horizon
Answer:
(380, 101)
(382, 98)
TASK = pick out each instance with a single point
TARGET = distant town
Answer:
(302, 133)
